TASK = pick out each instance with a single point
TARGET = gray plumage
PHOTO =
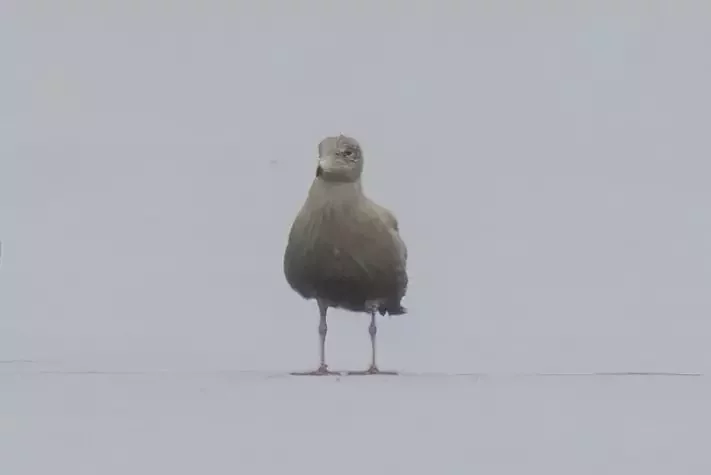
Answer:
(344, 250)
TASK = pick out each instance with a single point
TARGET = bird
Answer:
(343, 249)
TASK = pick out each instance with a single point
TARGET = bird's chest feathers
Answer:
(342, 232)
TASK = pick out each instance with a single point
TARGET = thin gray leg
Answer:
(373, 331)
(322, 330)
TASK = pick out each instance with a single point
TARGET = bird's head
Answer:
(340, 159)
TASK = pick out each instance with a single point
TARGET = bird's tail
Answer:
(392, 308)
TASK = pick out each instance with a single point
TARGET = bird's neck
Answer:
(335, 192)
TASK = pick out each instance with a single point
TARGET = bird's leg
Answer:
(322, 330)
(373, 331)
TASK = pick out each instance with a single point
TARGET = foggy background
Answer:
(549, 165)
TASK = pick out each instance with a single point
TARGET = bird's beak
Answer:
(325, 164)
(319, 166)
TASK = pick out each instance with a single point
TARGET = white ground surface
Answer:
(549, 165)
(231, 422)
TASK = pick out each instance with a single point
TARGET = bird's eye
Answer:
(348, 153)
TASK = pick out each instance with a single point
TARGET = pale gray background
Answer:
(549, 165)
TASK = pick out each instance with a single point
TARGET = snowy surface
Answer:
(549, 166)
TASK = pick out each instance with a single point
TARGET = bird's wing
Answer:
(389, 218)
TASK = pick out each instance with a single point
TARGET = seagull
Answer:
(344, 250)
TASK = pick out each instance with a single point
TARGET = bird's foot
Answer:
(321, 371)
(372, 370)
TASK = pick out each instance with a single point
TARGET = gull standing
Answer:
(344, 250)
